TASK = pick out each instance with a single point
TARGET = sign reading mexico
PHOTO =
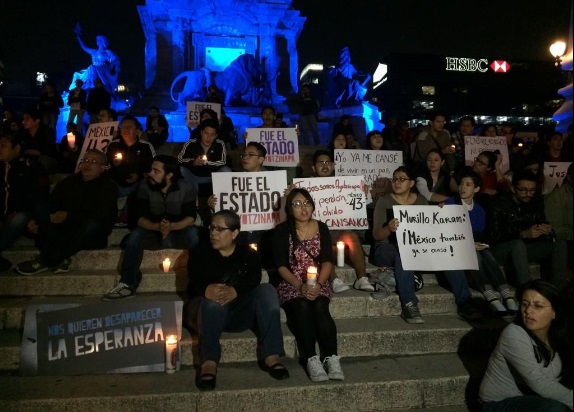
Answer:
(98, 136)
(554, 174)
(475, 145)
(374, 165)
(281, 144)
(194, 108)
(254, 196)
(76, 339)
(434, 238)
(339, 201)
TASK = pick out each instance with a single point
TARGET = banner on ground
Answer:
(281, 143)
(194, 108)
(98, 338)
(435, 238)
(375, 165)
(554, 174)
(98, 136)
(475, 145)
(255, 196)
(339, 201)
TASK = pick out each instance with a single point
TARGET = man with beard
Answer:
(166, 212)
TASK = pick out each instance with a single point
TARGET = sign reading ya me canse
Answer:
(255, 196)
(339, 201)
(435, 238)
(281, 144)
(193, 109)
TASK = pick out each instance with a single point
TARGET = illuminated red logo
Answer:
(500, 66)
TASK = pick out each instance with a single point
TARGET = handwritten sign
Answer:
(377, 166)
(281, 143)
(475, 145)
(75, 338)
(434, 238)
(193, 110)
(254, 196)
(339, 201)
(98, 136)
(554, 173)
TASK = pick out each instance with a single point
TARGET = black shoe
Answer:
(468, 311)
(5, 264)
(276, 371)
(206, 382)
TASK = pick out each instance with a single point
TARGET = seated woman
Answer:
(433, 181)
(531, 366)
(489, 166)
(374, 140)
(227, 295)
(339, 141)
(299, 243)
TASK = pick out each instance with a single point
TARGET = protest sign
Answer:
(98, 136)
(374, 165)
(554, 173)
(254, 196)
(93, 338)
(475, 145)
(281, 143)
(435, 238)
(339, 201)
(194, 108)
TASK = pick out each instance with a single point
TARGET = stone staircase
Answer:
(388, 364)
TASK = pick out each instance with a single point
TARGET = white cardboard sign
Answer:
(281, 143)
(194, 108)
(554, 173)
(98, 136)
(475, 145)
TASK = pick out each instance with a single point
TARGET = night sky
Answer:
(38, 36)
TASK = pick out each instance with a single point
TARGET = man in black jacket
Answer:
(518, 231)
(80, 215)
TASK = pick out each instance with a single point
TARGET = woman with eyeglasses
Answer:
(385, 251)
(531, 366)
(299, 243)
(489, 167)
(226, 295)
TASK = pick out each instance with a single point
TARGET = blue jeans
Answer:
(388, 255)
(309, 124)
(457, 281)
(11, 229)
(525, 404)
(258, 309)
(195, 180)
(140, 239)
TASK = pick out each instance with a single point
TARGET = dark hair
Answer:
(289, 214)
(102, 155)
(371, 134)
(14, 140)
(279, 115)
(33, 113)
(212, 113)
(132, 118)
(406, 170)
(490, 157)
(433, 115)
(469, 118)
(331, 145)
(170, 165)
(523, 175)
(437, 151)
(232, 219)
(154, 108)
(553, 133)
(559, 337)
(486, 127)
(467, 172)
(511, 125)
(261, 150)
(113, 113)
(268, 107)
(213, 123)
(344, 117)
(321, 152)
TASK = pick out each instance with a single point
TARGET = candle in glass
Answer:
(311, 276)
(170, 353)
(166, 264)
(71, 139)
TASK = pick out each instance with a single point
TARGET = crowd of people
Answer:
(512, 223)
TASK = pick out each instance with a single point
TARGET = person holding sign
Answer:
(303, 257)
(531, 366)
(226, 294)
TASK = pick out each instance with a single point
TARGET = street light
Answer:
(557, 49)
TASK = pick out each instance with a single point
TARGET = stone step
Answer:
(349, 304)
(114, 238)
(434, 381)
(383, 336)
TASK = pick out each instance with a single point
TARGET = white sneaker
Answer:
(338, 286)
(315, 369)
(333, 368)
(363, 284)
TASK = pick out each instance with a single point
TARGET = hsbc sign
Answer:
(463, 64)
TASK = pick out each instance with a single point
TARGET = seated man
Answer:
(80, 215)
(165, 211)
(156, 127)
(38, 140)
(23, 185)
(519, 232)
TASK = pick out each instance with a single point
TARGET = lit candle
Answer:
(253, 246)
(311, 276)
(204, 158)
(453, 147)
(170, 353)
(166, 264)
(71, 139)
(118, 156)
(519, 144)
(340, 254)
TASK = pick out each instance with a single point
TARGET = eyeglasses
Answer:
(525, 190)
(322, 163)
(90, 161)
(298, 204)
(534, 305)
(477, 160)
(249, 155)
(399, 179)
(218, 229)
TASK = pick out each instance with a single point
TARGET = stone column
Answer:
(178, 46)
